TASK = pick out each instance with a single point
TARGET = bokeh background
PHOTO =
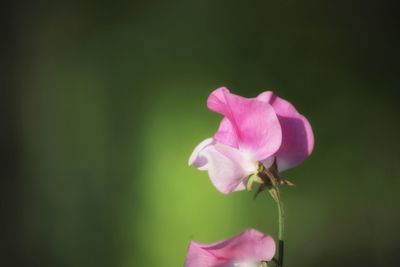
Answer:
(102, 103)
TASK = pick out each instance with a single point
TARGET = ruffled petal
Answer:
(297, 134)
(227, 167)
(249, 246)
(251, 124)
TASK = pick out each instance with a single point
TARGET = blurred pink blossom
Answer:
(249, 248)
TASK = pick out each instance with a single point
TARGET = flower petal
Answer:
(197, 160)
(226, 133)
(250, 245)
(297, 134)
(227, 167)
(252, 124)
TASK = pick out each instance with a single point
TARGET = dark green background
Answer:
(103, 102)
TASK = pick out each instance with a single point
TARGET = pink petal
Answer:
(297, 134)
(226, 133)
(194, 158)
(250, 245)
(251, 124)
(227, 167)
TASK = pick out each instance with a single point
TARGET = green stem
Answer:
(281, 229)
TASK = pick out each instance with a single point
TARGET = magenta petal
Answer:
(252, 124)
(297, 134)
(251, 245)
(227, 167)
(226, 133)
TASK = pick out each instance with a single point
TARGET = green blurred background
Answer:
(102, 103)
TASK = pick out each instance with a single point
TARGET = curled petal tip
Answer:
(195, 158)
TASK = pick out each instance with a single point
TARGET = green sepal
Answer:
(254, 178)
(274, 193)
(287, 182)
(261, 188)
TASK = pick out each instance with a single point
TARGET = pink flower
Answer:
(253, 130)
(246, 249)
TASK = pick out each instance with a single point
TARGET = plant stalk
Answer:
(281, 230)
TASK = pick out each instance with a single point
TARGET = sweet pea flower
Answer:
(251, 248)
(254, 131)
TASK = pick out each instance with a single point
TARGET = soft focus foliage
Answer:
(103, 102)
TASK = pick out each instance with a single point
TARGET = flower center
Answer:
(249, 164)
